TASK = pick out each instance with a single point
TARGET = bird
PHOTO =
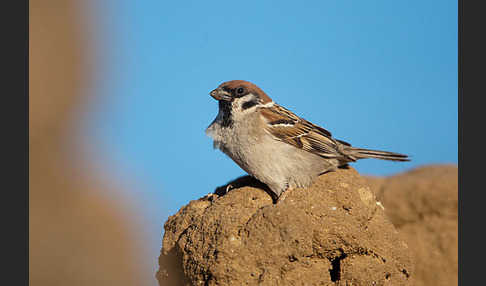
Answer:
(273, 144)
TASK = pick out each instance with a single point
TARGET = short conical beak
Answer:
(220, 94)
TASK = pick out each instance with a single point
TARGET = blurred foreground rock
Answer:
(422, 204)
(78, 234)
(331, 233)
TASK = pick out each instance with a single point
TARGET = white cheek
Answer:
(238, 103)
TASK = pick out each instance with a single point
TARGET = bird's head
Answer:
(240, 94)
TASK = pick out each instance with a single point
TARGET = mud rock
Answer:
(332, 233)
(422, 204)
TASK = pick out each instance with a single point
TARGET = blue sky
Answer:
(378, 74)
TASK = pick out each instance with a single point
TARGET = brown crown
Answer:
(252, 88)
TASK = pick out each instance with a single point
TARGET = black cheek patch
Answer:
(249, 104)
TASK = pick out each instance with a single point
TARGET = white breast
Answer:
(273, 162)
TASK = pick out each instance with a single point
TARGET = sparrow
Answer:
(274, 145)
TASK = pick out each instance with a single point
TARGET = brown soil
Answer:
(331, 233)
(422, 204)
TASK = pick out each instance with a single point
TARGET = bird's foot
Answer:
(228, 188)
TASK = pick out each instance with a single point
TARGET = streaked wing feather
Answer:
(289, 128)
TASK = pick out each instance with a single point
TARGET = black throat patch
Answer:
(225, 109)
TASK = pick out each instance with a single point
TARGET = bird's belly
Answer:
(275, 163)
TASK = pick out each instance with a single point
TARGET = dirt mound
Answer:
(422, 204)
(333, 232)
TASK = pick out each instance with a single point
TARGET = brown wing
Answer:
(289, 128)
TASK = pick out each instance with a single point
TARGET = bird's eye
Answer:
(240, 90)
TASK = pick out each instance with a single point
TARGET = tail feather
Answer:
(360, 153)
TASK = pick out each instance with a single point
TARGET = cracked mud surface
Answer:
(332, 233)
